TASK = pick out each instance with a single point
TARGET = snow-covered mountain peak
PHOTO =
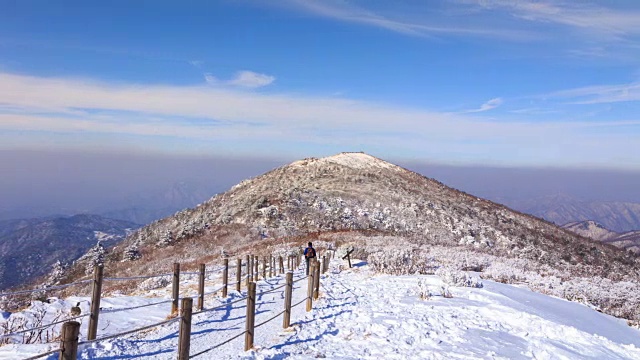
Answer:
(358, 160)
(354, 160)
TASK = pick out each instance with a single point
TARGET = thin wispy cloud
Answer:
(598, 31)
(430, 24)
(580, 15)
(219, 115)
(251, 79)
(245, 79)
(196, 63)
(489, 105)
(210, 79)
(599, 94)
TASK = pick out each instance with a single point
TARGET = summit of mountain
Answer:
(388, 213)
(357, 192)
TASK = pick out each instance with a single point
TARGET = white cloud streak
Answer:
(600, 94)
(251, 79)
(430, 27)
(214, 114)
(579, 15)
(575, 28)
(245, 79)
(489, 105)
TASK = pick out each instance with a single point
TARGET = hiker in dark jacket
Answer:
(309, 253)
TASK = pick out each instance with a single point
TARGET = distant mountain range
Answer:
(561, 209)
(30, 247)
(147, 209)
(629, 240)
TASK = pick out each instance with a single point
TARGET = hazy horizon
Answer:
(68, 182)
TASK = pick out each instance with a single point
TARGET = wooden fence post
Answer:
(184, 337)
(271, 266)
(201, 287)
(286, 320)
(264, 267)
(225, 278)
(69, 340)
(251, 317)
(256, 265)
(310, 287)
(249, 259)
(324, 264)
(316, 280)
(281, 261)
(238, 274)
(95, 302)
(175, 288)
(348, 257)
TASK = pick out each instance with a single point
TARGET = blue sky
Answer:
(512, 83)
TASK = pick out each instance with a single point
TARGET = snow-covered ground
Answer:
(361, 315)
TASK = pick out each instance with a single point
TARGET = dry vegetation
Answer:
(400, 221)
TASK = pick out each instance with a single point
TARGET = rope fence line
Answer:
(130, 331)
(214, 270)
(270, 291)
(219, 306)
(266, 321)
(217, 346)
(48, 288)
(134, 277)
(298, 303)
(108, 311)
(214, 291)
(185, 312)
(295, 281)
(43, 355)
(42, 326)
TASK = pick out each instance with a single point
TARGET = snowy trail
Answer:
(361, 315)
(364, 316)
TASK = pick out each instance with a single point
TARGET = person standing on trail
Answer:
(309, 253)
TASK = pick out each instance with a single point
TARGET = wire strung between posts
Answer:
(57, 287)
(135, 277)
(301, 279)
(266, 321)
(220, 306)
(43, 355)
(213, 291)
(190, 273)
(130, 331)
(272, 290)
(214, 270)
(217, 346)
(105, 311)
(43, 326)
(301, 301)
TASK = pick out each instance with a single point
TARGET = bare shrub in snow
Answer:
(155, 283)
(444, 292)
(458, 278)
(131, 253)
(424, 293)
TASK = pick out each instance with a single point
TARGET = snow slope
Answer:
(362, 315)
